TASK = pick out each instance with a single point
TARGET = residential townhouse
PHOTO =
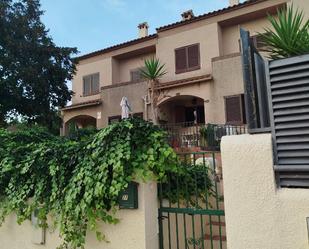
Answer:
(204, 80)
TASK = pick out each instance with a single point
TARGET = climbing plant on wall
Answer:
(77, 180)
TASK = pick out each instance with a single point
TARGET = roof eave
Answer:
(115, 47)
(209, 15)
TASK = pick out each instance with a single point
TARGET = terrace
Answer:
(200, 136)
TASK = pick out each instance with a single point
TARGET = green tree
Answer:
(33, 70)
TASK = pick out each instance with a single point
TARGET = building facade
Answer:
(203, 84)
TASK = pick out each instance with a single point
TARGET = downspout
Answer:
(146, 103)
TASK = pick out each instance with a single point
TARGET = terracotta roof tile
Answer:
(192, 80)
(115, 47)
(209, 15)
(169, 26)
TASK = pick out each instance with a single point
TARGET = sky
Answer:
(91, 25)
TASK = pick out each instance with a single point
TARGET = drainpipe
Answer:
(146, 103)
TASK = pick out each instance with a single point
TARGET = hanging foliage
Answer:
(77, 180)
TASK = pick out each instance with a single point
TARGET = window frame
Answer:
(188, 69)
(258, 44)
(118, 117)
(138, 115)
(242, 110)
(135, 70)
(91, 92)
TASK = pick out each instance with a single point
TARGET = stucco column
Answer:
(209, 112)
(150, 199)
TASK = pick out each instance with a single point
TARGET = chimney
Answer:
(187, 15)
(233, 2)
(143, 29)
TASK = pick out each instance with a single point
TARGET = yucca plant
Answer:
(289, 34)
(152, 72)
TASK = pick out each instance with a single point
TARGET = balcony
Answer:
(188, 135)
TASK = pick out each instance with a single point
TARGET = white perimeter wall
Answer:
(137, 228)
(258, 214)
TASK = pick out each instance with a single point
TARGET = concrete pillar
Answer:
(259, 214)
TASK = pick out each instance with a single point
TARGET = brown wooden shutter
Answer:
(86, 85)
(114, 119)
(193, 56)
(234, 110)
(136, 75)
(181, 60)
(95, 83)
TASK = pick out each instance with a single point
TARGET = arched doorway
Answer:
(182, 117)
(79, 122)
(182, 109)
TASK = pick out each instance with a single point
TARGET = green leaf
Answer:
(288, 35)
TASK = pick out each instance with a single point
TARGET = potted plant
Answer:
(208, 136)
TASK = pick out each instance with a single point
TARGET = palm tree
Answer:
(152, 72)
(289, 34)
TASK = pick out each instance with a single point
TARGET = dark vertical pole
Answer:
(251, 112)
(160, 217)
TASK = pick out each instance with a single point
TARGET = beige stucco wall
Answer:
(228, 80)
(106, 65)
(75, 114)
(126, 65)
(137, 228)
(231, 34)
(258, 214)
(111, 98)
(91, 111)
(301, 5)
(216, 37)
(207, 36)
(103, 67)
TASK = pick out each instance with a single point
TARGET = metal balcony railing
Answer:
(206, 136)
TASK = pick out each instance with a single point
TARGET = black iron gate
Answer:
(191, 213)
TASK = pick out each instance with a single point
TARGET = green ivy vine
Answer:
(77, 179)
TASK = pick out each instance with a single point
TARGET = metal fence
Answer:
(206, 136)
(277, 100)
(191, 212)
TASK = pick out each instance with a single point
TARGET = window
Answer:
(114, 119)
(136, 75)
(138, 115)
(91, 84)
(235, 109)
(187, 58)
(257, 41)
